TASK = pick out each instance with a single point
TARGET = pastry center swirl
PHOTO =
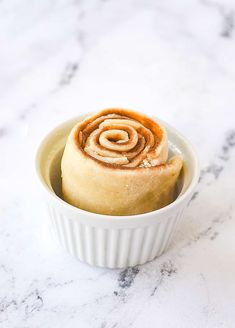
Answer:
(120, 140)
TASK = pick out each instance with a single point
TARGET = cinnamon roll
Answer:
(116, 162)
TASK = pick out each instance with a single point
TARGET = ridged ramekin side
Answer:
(112, 247)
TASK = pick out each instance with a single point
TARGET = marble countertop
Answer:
(61, 58)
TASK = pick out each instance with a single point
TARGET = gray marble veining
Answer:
(175, 60)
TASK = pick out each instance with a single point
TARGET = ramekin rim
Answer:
(143, 216)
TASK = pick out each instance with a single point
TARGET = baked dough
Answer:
(115, 162)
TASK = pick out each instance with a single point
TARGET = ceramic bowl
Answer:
(112, 241)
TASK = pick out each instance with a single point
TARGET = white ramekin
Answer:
(104, 240)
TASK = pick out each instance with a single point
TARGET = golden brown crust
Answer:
(83, 130)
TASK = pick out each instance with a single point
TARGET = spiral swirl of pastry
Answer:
(116, 162)
(123, 139)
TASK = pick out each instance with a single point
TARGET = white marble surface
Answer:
(173, 59)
